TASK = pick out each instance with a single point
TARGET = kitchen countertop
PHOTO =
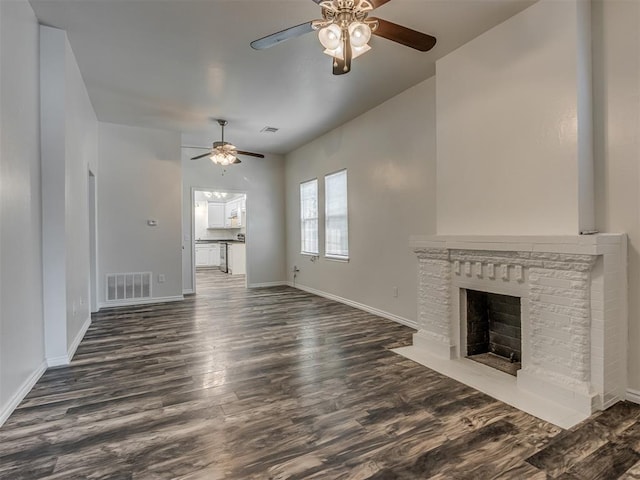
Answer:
(206, 241)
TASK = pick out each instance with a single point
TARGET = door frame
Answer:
(193, 228)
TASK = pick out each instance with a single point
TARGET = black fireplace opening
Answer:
(494, 330)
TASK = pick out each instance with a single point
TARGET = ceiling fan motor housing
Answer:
(343, 12)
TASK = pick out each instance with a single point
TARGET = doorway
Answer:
(219, 225)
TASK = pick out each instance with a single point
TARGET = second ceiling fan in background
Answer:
(225, 153)
(345, 30)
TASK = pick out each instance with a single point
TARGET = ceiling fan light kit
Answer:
(345, 30)
(223, 158)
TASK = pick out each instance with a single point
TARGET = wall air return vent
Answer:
(128, 286)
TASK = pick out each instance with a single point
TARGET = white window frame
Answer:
(305, 219)
(331, 215)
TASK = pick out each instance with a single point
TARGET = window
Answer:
(309, 217)
(336, 220)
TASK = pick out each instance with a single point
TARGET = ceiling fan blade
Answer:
(250, 154)
(201, 156)
(236, 161)
(378, 3)
(275, 38)
(348, 53)
(403, 35)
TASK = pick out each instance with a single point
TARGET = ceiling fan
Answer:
(225, 153)
(345, 30)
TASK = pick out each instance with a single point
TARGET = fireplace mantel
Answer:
(573, 302)
(575, 244)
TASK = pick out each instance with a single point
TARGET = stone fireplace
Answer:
(571, 292)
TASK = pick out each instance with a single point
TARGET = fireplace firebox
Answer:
(494, 330)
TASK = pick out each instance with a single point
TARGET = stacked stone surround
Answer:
(573, 302)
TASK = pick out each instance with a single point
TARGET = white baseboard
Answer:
(25, 388)
(60, 361)
(359, 306)
(267, 284)
(633, 395)
(131, 303)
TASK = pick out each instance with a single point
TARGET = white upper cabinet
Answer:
(233, 213)
(216, 215)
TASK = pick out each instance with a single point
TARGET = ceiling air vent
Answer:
(269, 129)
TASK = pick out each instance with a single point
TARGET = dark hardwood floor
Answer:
(275, 383)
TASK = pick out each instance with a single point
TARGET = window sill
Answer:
(307, 254)
(337, 259)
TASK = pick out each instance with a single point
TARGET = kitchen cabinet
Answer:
(202, 256)
(216, 215)
(228, 207)
(214, 255)
(208, 255)
(233, 214)
(237, 259)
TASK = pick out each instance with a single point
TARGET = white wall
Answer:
(139, 180)
(21, 314)
(389, 153)
(509, 155)
(616, 34)
(81, 156)
(53, 158)
(263, 182)
(69, 134)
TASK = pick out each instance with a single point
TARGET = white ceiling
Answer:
(175, 64)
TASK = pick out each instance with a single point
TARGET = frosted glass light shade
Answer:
(222, 158)
(359, 34)
(330, 36)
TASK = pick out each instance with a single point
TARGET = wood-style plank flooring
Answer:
(275, 383)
